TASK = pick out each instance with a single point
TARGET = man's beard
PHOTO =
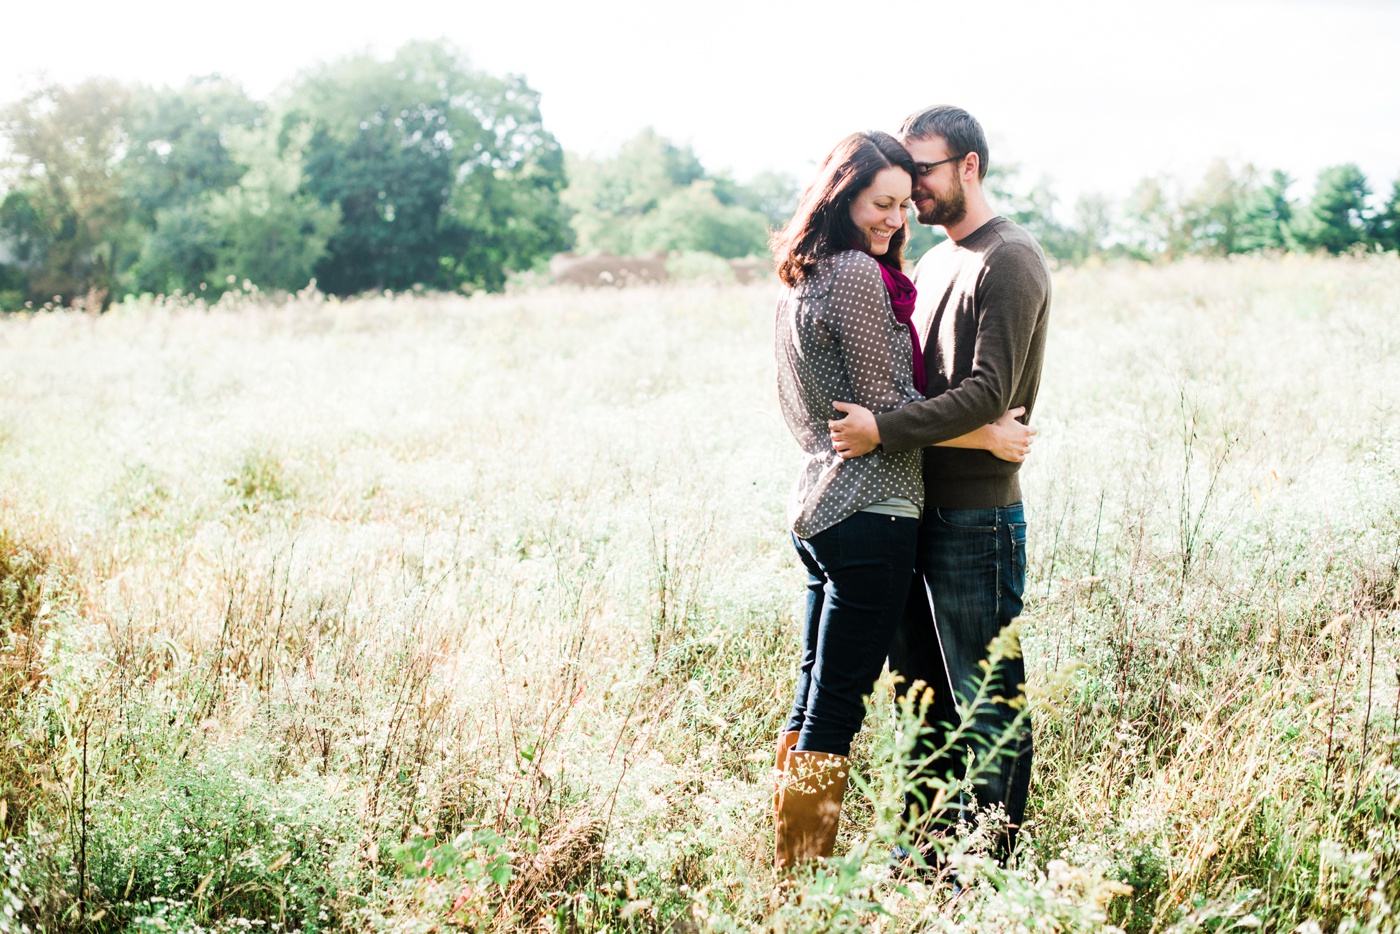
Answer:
(944, 212)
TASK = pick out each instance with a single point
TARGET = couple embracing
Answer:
(909, 397)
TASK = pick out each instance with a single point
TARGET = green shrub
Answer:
(262, 478)
(216, 837)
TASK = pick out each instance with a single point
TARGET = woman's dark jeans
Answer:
(858, 576)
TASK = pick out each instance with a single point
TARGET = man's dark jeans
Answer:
(972, 565)
(858, 575)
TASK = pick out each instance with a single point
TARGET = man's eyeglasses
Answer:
(926, 168)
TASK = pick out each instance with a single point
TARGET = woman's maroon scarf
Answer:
(901, 292)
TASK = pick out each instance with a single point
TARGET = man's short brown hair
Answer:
(955, 126)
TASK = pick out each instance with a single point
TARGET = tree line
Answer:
(413, 172)
(1228, 211)
(421, 172)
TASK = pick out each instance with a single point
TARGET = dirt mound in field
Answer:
(750, 270)
(605, 270)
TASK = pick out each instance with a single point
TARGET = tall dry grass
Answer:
(413, 613)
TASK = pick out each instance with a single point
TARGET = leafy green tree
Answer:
(13, 281)
(1213, 215)
(1268, 215)
(23, 236)
(65, 217)
(1034, 208)
(692, 219)
(1035, 211)
(177, 149)
(274, 234)
(1153, 222)
(179, 159)
(654, 195)
(1091, 228)
(443, 176)
(609, 197)
(1385, 228)
(772, 194)
(180, 253)
(508, 216)
(1336, 218)
(264, 228)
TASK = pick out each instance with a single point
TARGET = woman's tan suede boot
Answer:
(810, 791)
(785, 743)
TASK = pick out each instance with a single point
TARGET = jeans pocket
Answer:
(980, 520)
(825, 546)
(868, 536)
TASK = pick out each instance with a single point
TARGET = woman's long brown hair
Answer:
(822, 225)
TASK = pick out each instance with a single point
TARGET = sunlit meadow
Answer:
(423, 613)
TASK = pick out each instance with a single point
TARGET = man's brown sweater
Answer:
(982, 310)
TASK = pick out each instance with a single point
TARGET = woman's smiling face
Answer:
(880, 210)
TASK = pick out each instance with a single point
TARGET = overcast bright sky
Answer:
(1093, 95)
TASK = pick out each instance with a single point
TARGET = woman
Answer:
(844, 334)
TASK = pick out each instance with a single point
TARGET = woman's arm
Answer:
(1006, 438)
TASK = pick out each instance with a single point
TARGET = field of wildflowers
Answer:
(432, 613)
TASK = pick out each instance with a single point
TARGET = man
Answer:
(983, 301)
